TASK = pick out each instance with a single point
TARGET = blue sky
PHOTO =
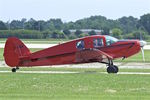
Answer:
(71, 10)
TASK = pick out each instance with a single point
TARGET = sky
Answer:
(71, 10)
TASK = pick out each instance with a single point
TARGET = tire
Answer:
(13, 70)
(111, 69)
(116, 68)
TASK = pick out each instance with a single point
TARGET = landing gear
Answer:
(112, 68)
(15, 69)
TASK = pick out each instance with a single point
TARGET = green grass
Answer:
(40, 41)
(50, 39)
(138, 57)
(82, 86)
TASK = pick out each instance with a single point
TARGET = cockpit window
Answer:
(80, 45)
(110, 40)
(98, 42)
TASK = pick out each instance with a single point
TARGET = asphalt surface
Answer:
(71, 72)
(89, 65)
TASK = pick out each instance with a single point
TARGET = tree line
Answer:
(124, 27)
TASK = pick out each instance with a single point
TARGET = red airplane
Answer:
(97, 48)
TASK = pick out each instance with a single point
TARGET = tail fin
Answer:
(14, 49)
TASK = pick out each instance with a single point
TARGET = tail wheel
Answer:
(13, 70)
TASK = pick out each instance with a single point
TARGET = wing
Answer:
(92, 55)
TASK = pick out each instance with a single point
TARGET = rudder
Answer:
(14, 50)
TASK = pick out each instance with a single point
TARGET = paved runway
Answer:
(71, 72)
(42, 72)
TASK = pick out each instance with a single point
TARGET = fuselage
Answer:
(69, 52)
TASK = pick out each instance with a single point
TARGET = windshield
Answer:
(110, 40)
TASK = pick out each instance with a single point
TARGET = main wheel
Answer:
(117, 69)
(112, 69)
(13, 69)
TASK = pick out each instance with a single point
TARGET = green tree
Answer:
(23, 20)
(82, 35)
(16, 24)
(66, 32)
(92, 32)
(72, 36)
(145, 21)
(46, 34)
(105, 31)
(128, 24)
(78, 32)
(2, 26)
(30, 25)
(58, 34)
(57, 24)
(117, 33)
(139, 35)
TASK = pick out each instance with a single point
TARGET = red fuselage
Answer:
(83, 50)
(66, 53)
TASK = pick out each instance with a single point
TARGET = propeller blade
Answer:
(143, 54)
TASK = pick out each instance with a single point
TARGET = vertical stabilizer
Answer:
(14, 49)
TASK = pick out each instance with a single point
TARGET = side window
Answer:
(80, 45)
(98, 42)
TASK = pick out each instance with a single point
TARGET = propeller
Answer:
(142, 44)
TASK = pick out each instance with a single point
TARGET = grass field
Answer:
(138, 57)
(40, 41)
(89, 84)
